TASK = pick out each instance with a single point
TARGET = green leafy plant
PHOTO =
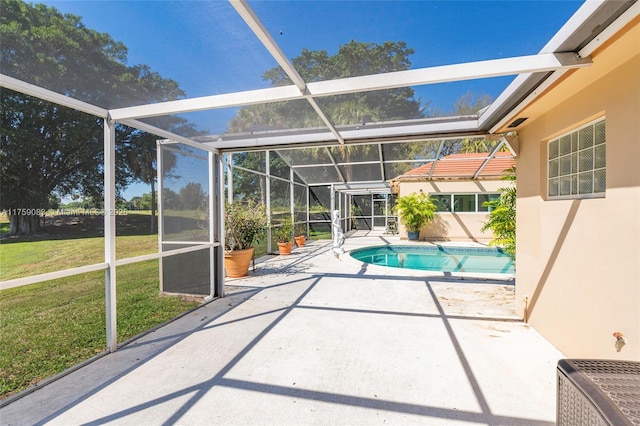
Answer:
(502, 216)
(245, 222)
(355, 212)
(300, 229)
(284, 232)
(415, 211)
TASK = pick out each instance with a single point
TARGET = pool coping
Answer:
(502, 278)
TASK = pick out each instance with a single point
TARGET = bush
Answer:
(415, 211)
(245, 222)
(502, 217)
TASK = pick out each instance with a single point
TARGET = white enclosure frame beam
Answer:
(110, 232)
(213, 221)
(250, 18)
(491, 156)
(229, 177)
(51, 96)
(626, 17)
(585, 10)
(220, 287)
(32, 279)
(435, 159)
(167, 135)
(248, 97)
(267, 185)
(335, 165)
(416, 132)
(160, 211)
(441, 74)
(512, 143)
(292, 196)
(450, 73)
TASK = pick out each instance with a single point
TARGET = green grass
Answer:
(48, 327)
(140, 307)
(319, 235)
(22, 259)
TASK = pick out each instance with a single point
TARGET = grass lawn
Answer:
(320, 235)
(45, 328)
(48, 327)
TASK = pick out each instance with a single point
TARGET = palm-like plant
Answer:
(502, 217)
(415, 211)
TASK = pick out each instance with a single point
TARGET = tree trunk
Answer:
(24, 225)
(153, 207)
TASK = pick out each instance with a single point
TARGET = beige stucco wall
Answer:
(578, 261)
(453, 226)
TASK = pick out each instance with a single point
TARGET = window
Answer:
(462, 203)
(485, 198)
(577, 163)
(442, 202)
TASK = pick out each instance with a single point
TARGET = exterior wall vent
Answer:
(517, 122)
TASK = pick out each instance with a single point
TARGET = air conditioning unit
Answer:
(598, 392)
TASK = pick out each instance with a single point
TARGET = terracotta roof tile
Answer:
(463, 165)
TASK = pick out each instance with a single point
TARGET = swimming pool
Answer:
(438, 258)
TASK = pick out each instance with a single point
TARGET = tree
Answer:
(41, 155)
(353, 59)
(171, 199)
(250, 185)
(502, 216)
(470, 103)
(146, 203)
(47, 149)
(192, 197)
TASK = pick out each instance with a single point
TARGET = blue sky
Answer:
(208, 49)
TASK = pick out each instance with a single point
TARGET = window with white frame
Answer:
(577, 163)
(463, 203)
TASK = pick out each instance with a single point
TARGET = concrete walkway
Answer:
(314, 339)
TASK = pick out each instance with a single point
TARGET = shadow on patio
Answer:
(297, 344)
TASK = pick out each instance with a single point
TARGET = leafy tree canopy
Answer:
(51, 149)
(352, 59)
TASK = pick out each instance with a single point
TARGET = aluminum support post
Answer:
(219, 224)
(110, 232)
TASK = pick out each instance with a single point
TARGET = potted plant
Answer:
(244, 223)
(300, 233)
(283, 234)
(415, 211)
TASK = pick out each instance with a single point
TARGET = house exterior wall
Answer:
(453, 226)
(578, 260)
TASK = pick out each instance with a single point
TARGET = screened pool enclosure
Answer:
(302, 145)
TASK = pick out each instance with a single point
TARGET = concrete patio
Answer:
(314, 339)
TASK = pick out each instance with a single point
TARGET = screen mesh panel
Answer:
(185, 194)
(186, 273)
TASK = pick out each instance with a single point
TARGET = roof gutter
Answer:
(591, 26)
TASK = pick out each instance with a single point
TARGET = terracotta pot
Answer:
(300, 240)
(285, 248)
(236, 262)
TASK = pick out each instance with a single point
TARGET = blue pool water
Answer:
(438, 258)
